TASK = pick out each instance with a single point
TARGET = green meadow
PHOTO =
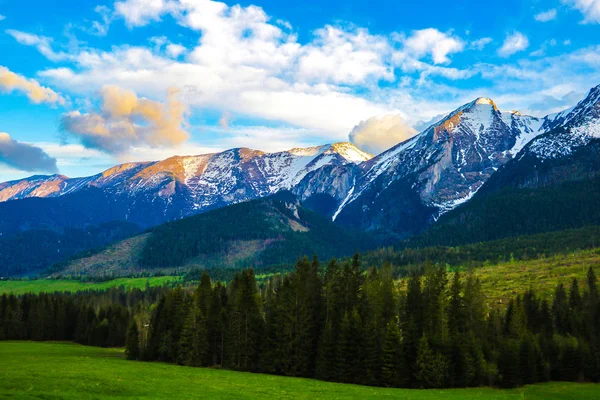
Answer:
(32, 370)
(18, 287)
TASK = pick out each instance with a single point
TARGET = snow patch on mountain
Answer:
(581, 124)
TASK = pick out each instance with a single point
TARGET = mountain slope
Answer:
(436, 170)
(570, 151)
(269, 231)
(205, 175)
(553, 183)
(514, 212)
(151, 193)
(30, 252)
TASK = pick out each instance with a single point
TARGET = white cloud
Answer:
(546, 16)
(42, 43)
(9, 81)
(543, 48)
(589, 8)
(175, 50)
(252, 65)
(345, 57)
(100, 28)
(2, 17)
(142, 12)
(479, 44)
(24, 156)
(380, 133)
(434, 43)
(245, 64)
(513, 43)
(126, 121)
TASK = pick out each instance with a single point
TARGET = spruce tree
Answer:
(194, 346)
(327, 355)
(132, 348)
(560, 310)
(393, 365)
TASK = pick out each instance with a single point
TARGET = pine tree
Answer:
(431, 366)
(216, 325)
(327, 356)
(204, 293)
(456, 318)
(344, 352)
(132, 348)
(575, 305)
(475, 307)
(560, 310)
(194, 346)
(393, 371)
(245, 322)
(305, 318)
(509, 364)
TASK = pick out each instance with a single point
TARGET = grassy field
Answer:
(64, 285)
(67, 371)
(502, 282)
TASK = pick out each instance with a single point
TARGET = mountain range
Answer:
(473, 152)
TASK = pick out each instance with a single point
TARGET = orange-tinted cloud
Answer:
(126, 120)
(9, 81)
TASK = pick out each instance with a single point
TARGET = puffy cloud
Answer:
(256, 78)
(345, 57)
(513, 43)
(24, 156)
(432, 42)
(546, 16)
(589, 8)
(37, 93)
(380, 133)
(175, 50)
(2, 17)
(141, 12)
(125, 120)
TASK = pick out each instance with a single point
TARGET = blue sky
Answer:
(85, 85)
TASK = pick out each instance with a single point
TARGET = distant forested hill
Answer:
(271, 231)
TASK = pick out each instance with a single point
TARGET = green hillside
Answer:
(67, 371)
(515, 212)
(264, 232)
(408, 255)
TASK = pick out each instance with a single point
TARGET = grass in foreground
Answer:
(66, 285)
(68, 371)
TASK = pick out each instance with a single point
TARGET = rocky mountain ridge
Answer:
(401, 190)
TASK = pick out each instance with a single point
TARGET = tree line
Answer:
(95, 318)
(340, 323)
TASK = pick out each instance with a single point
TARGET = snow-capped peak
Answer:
(484, 100)
(350, 152)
